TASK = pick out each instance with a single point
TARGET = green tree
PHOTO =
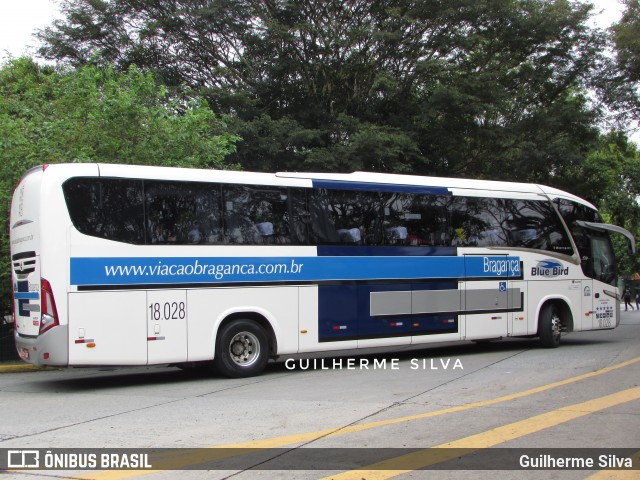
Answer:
(609, 177)
(627, 38)
(96, 114)
(624, 84)
(488, 88)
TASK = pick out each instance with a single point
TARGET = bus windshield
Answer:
(594, 246)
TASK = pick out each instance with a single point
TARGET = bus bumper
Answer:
(50, 348)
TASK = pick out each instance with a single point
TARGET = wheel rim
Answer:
(244, 349)
(556, 327)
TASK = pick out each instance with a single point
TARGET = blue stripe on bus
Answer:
(379, 187)
(386, 251)
(177, 270)
(344, 313)
(26, 295)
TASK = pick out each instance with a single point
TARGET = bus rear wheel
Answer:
(242, 349)
(550, 326)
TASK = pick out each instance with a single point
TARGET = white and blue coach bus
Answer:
(137, 265)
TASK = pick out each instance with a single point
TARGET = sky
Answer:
(18, 21)
(20, 18)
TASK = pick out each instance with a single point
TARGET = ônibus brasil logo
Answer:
(549, 269)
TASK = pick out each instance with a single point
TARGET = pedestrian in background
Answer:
(627, 298)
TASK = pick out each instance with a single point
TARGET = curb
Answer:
(18, 367)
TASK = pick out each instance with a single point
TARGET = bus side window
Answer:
(107, 208)
(301, 218)
(500, 222)
(322, 229)
(416, 219)
(256, 215)
(479, 221)
(536, 225)
(182, 212)
(356, 215)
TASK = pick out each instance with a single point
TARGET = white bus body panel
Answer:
(519, 322)
(208, 308)
(107, 328)
(167, 316)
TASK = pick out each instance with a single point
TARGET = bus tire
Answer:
(550, 326)
(242, 349)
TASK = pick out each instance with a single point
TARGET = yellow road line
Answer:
(190, 457)
(431, 456)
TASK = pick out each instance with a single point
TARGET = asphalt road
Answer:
(391, 407)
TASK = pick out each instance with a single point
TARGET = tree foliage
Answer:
(627, 38)
(51, 115)
(625, 83)
(488, 88)
(609, 177)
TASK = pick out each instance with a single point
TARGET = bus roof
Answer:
(444, 182)
(458, 186)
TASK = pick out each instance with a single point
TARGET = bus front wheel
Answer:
(550, 326)
(242, 349)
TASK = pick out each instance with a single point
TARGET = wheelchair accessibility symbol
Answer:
(503, 287)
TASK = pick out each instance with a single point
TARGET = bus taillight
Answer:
(49, 313)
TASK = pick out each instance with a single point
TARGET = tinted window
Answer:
(602, 265)
(508, 223)
(183, 213)
(571, 213)
(165, 212)
(535, 224)
(345, 217)
(321, 224)
(301, 216)
(411, 219)
(107, 208)
(594, 248)
(255, 215)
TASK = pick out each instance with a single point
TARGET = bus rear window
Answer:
(107, 208)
